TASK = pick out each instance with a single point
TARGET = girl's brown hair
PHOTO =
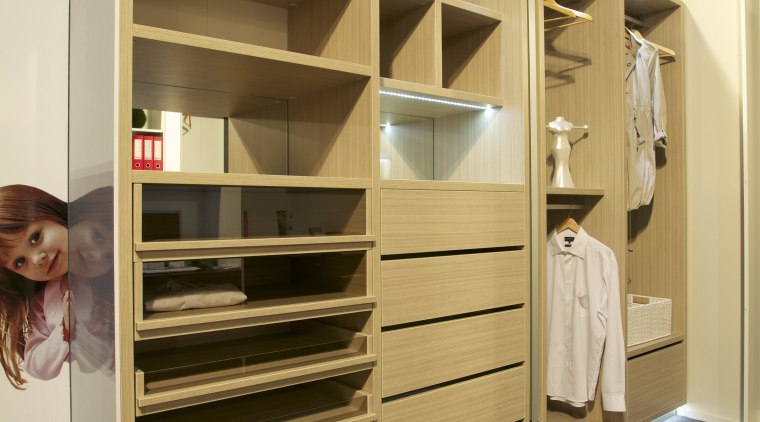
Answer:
(20, 205)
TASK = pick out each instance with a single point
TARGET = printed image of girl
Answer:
(33, 249)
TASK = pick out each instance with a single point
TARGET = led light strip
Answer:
(434, 100)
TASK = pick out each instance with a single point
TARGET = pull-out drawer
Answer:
(493, 397)
(174, 372)
(417, 289)
(342, 398)
(656, 383)
(430, 354)
(416, 221)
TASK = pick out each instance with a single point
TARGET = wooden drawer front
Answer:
(495, 397)
(656, 383)
(424, 288)
(427, 355)
(428, 221)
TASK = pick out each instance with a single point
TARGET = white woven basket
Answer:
(649, 318)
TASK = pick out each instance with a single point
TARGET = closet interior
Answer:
(582, 73)
(340, 228)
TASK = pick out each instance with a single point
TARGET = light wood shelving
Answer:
(294, 82)
(453, 205)
(640, 349)
(191, 373)
(162, 57)
(326, 400)
(409, 98)
(582, 78)
(298, 205)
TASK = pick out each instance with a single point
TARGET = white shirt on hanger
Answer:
(645, 120)
(583, 306)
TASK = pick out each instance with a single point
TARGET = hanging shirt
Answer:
(583, 305)
(645, 120)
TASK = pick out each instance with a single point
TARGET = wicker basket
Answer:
(648, 318)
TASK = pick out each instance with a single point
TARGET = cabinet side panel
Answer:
(330, 132)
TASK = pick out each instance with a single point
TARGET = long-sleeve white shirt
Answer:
(645, 120)
(583, 302)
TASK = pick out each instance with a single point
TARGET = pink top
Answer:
(47, 349)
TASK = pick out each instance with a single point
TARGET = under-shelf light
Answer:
(435, 100)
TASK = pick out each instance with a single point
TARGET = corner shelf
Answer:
(640, 349)
(428, 101)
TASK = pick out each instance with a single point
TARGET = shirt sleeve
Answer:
(659, 110)
(613, 361)
(46, 350)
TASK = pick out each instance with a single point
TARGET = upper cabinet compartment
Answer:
(447, 49)
(333, 29)
(407, 41)
(285, 84)
(471, 48)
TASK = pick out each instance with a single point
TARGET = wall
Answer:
(713, 133)
(752, 210)
(33, 150)
(92, 130)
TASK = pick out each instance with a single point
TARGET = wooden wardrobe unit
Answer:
(398, 298)
(581, 77)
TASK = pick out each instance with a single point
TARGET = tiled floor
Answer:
(681, 419)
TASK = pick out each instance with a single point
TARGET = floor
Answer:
(680, 419)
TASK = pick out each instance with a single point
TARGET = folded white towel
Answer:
(181, 294)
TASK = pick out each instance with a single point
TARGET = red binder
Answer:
(147, 152)
(137, 151)
(158, 153)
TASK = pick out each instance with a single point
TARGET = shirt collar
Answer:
(578, 248)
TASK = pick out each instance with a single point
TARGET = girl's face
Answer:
(41, 251)
(91, 248)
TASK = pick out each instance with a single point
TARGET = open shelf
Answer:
(655, 344)
(646, 7)
(328, 400)
(471, 48)
(165, 57)
(460, 17)
(336, 29)
(408, 98)
(203, 366)
(572, 198)
(574, 191)
(407, 40)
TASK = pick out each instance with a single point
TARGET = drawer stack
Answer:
(454, 290)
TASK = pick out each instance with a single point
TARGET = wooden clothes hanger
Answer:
(567, 13)
(664, 51)
(568, 224)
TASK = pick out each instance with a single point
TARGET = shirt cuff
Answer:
(614, 402)
(660, 139)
